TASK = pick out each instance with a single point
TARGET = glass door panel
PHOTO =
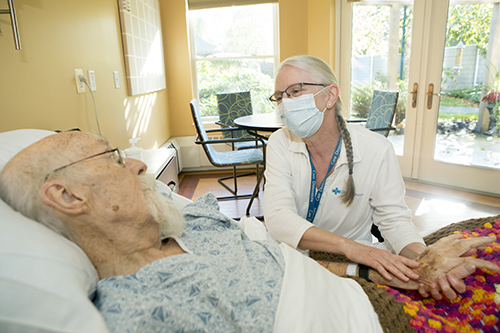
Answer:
(443, 58)
(381, 47)
(380, 59)
(458, 158)
(467, 126)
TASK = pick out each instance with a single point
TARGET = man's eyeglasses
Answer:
(117, 154)
(295, 90)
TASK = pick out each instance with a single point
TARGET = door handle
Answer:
(414, 95)
(430, 93)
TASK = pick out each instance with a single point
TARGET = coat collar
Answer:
(297, 145)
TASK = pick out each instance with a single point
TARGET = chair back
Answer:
(200, 129)
(232, 106)
(382, 111)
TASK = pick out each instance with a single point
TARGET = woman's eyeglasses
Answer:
(295, 90)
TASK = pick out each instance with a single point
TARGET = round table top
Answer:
(269, 122)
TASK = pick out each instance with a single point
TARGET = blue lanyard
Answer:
(315, 194)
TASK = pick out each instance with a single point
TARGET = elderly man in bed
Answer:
(162, 270)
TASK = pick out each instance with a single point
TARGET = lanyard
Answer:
(316, 193)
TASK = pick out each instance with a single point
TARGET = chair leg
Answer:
(234, 190)
(235, 182)
(256, 189)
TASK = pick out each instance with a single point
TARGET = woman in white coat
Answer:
(327, 182)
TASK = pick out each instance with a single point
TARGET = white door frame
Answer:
(426, 60)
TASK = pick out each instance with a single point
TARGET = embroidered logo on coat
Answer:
(336, 191)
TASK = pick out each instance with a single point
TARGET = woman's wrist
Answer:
(341, 245)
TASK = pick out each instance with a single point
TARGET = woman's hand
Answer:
(383, 261)
(386, 263)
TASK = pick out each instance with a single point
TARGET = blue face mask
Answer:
(300, 114)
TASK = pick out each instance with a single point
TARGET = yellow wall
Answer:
(321, 22)
(37, 88)
(293, 27)
(177, 65)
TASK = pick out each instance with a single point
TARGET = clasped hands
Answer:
(439, 270)
(445, 264)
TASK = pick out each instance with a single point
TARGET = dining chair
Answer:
(380, 117)
(233, 158)
(382, 112)
(232, 106)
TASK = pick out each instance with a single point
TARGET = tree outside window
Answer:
(234, 49)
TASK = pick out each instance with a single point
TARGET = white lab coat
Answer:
(379, 192)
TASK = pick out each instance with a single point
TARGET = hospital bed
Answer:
(47, 283)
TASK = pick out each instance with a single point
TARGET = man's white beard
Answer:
(162, 210)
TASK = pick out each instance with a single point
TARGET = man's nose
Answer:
(137, 167)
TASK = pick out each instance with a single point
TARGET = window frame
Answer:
(210, 120)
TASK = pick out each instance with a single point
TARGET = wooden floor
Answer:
(432, 207)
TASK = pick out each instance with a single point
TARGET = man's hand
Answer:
(445, 264)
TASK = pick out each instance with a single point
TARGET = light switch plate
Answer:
(92, 83)
(117, 79)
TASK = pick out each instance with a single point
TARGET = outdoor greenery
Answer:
(469, 24)
(468, 97)
(370, 41)
(361, 99)
(471, 98)
(224, 76)
(234, 51)
(366, 40)
(454, 116)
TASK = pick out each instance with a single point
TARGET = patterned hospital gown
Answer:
(226, 284)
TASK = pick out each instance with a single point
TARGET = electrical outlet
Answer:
(92, 83)
(80, 86)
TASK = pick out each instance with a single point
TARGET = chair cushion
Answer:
(232, 106)
(247, 144)
(236, 157)
(382, 110)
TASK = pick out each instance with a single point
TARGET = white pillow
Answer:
(45, 280)
(13, 142)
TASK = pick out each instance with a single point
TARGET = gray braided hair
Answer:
(324, 74)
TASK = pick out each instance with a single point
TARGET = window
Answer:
(234, 49)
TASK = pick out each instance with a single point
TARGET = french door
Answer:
(443, 58)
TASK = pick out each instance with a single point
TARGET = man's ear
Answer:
(58, 194)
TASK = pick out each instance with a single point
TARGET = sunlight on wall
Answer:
(138, 115)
